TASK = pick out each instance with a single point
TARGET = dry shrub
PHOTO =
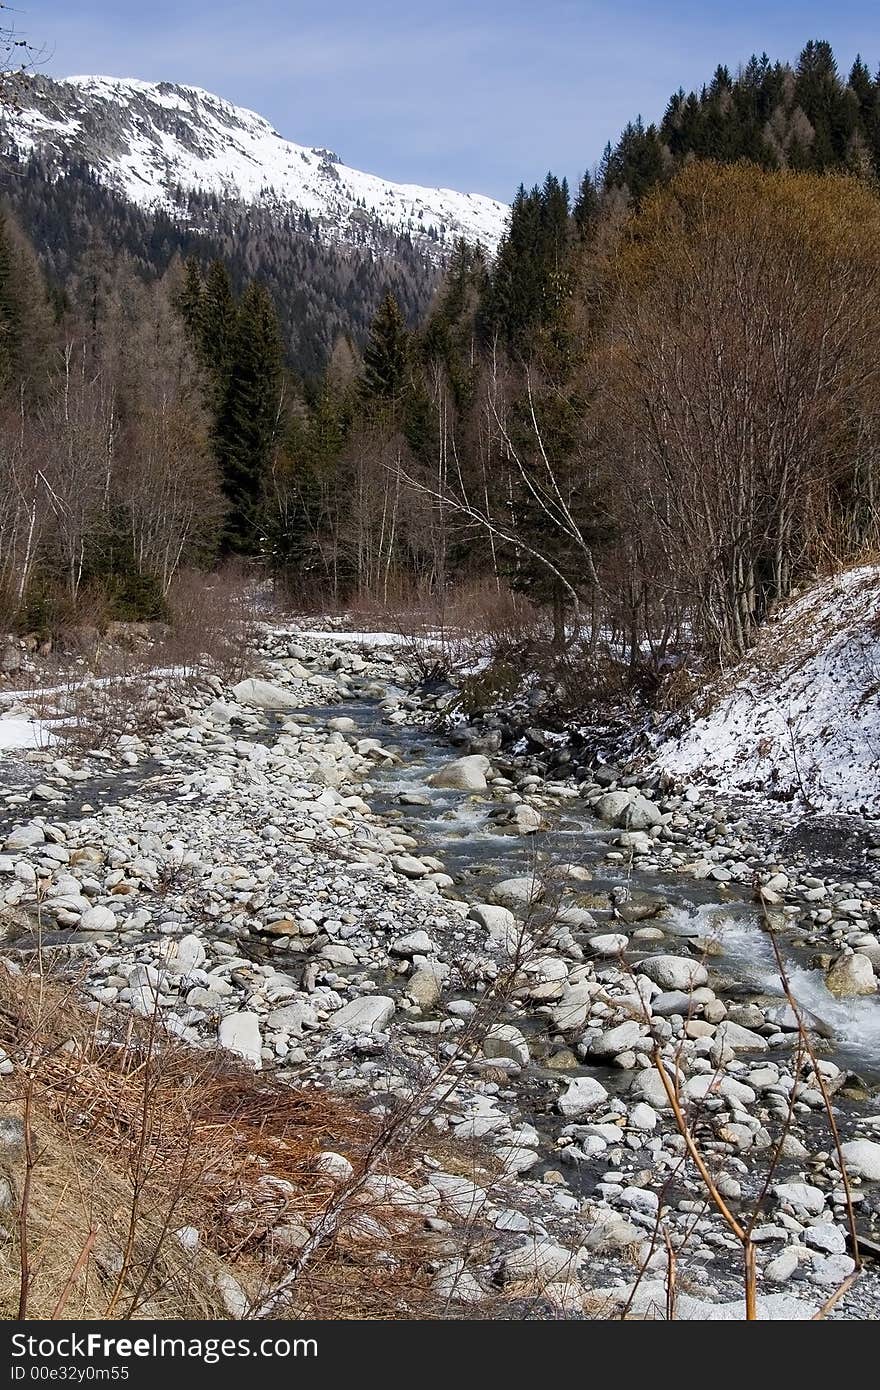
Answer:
(213, 622)
(135, 1136)
(96, 713)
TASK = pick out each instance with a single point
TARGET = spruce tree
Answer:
(216, 326)
(10, 313)
(386, 354)
(586, 206)
(248, 423)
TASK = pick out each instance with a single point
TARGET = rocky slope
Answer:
(157, 142)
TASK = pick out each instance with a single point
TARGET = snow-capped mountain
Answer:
(154, 142)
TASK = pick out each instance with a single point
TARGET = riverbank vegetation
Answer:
(648, 420)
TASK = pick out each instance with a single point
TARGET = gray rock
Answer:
(368, 1014)
(240, 1033)
(264, 695)
(832, 1269)
(584, 1093)
(183, 955)
(423, 987)
(782, 1267)
(540, 1260)
(850, 976)
(616, 1040)
(503, 1040)
(293, 1018)
(740, 1039)
(24, 837)
(417, 943)
(518, 892)
(608, 944)
(801, 1194)
(827, 1238)
(464, 774)
(100, 919)
(674, 972)
(862, 1158)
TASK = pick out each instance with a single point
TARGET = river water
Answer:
(460, 830)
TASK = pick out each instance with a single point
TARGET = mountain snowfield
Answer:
(155, 141)
(801, 715)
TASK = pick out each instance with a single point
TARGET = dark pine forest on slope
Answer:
(544, 424)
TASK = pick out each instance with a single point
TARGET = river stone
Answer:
(782, 1267)
(368, 1014)
(526, 819)
(423, 987)
(648, 1086)
(498, 921)
(520, 892)
(342, 724)
(408, 865)
(639, 841)
(850, 976)
(674, 972)
(183, 954)
(827, 1238)
(643, 1116)
(740, 1039)
(462, 1196)
(417, 943)
(610, 944)
(862, 1157)
(673, 1001)
(540, 1259)
(613, 805)
(99, 919)
(264, 695)
(24, 837)
(831, 1269)
(628, 810)
(503, 1040)
(616, 1040)
(698, 1087)
(642, 814)
(801, 1194)
(584, 1093)
(293, 1018)
(240, 1033)
(464, 774)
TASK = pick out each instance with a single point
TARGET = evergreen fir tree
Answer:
(586, 206)
(248, 424)
(10, 313)
(386, 354)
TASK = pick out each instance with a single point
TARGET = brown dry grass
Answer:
(126, 1123)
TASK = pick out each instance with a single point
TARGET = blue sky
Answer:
(477, 96)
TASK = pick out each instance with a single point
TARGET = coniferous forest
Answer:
(655, 410)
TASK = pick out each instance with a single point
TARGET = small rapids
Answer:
(479, 853)
(747, 953)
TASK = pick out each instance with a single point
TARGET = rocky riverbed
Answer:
(301, 870)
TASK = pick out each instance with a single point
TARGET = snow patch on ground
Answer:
(18, 733)
(800, 716)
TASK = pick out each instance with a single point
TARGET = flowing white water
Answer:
(748, 953)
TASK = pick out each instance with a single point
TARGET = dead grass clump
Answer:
(126, 1137)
